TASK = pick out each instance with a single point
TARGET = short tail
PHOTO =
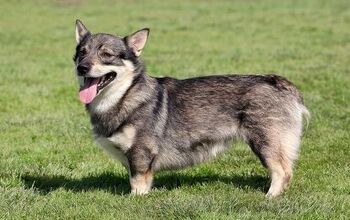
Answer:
(306, 115)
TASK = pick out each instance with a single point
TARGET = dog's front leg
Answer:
(140, 170)
(141, 183)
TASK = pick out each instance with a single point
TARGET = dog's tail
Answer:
(284, 84)
(306, 114)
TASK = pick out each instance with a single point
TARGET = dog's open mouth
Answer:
(92, 86)
(105, 80)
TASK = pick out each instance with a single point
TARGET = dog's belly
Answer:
(170, 159)
(204, 152)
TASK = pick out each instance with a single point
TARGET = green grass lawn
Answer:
(50, 166)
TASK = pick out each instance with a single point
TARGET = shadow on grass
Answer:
(119, 184)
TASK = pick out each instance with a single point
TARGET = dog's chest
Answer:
(118, 144)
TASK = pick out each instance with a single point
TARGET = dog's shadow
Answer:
(119, 184)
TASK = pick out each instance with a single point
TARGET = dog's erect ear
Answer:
(137, 40)
(80, 31)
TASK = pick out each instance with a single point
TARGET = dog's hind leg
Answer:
(277, 152)
(281, 174)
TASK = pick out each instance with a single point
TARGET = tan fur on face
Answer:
(112, 93)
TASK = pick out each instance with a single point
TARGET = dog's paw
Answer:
(140, 191)
(141, 184)
(273, 193)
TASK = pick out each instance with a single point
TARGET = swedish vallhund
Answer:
(151, 124)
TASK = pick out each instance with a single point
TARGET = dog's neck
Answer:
(114, 107)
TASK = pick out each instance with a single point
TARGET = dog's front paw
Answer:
(140, 191)
(141, 183)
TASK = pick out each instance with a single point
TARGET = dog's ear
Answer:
(137, 40)
(80, 31)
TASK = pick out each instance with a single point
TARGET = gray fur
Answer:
(179, 123)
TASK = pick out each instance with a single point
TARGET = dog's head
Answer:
(102, 60)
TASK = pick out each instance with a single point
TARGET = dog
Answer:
(151, 124)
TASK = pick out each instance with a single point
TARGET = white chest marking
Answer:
(118, 144)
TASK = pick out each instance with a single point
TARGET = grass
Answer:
(50, 167)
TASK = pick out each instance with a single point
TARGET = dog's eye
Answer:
(82, 52)
(106, 55)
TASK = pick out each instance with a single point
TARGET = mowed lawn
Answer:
(50, 167)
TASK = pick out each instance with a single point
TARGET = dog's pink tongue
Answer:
(89, 90)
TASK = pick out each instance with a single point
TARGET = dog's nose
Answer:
(83, 69)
